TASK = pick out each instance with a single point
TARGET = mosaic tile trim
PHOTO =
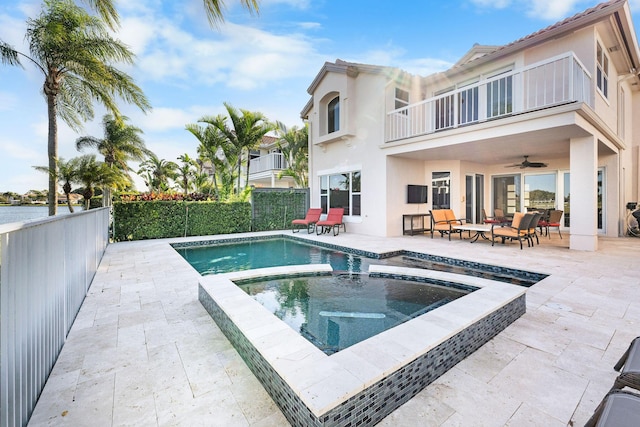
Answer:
(371, 405)
(493, 269)
(430, 280)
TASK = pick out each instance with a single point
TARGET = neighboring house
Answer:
(265, 165)
(565, 96)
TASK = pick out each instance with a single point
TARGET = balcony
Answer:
(556, 81)
(266, 163)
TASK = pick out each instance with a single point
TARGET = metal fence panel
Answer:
(46, 268)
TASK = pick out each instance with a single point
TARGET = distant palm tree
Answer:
(121, 143)
(215, 149)
(294, 144)
(245, 133)
(186, 172)
(157, 173)
(92, 173)
(67, 172)
(75, 53)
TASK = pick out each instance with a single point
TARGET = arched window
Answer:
(333, 115)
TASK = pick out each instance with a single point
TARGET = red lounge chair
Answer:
(309, 221)
(333, 220)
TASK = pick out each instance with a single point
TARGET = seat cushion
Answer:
(517, 217)
(449, 215)
(439, 215)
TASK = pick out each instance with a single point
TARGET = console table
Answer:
(415, 223)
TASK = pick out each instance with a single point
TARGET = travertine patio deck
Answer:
(143, 351)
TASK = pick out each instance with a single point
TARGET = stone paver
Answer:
(144, 352)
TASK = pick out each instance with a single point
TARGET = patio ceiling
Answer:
(500, 142)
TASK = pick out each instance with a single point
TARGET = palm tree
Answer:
(75, 53)
(121, 143)
(67, 172)
(294, 144)
(157, 173)
(92, 173)
(246, 133)
(215, 149)
(186, 172)
(214, 9)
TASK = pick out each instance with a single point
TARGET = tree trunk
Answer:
(239, 171)
(52, 149)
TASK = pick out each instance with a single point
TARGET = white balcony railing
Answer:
(269, 162)
(556, 81)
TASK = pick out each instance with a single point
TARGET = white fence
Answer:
(556, 81)
(46, 268)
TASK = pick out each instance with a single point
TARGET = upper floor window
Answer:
(333, 115)
(602, 71)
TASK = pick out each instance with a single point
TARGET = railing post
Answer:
(572, 80)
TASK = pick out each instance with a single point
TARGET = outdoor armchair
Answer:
(443, 221)
(619, 408)
(332, 221)
(552, 221)
(629, 367)
(309, 221)
(518, 230)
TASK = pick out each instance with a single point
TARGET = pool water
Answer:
(248, 255)
(336, 311)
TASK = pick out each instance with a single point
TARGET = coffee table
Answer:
(479, 230)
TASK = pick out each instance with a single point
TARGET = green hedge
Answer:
(275, 208)
(160, 219)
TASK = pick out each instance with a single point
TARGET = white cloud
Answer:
(426, 66)
(495, 4)
(551, 9)
(18, 151)
(240, 56)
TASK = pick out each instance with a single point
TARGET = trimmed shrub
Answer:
(161, 219)
(275, 208)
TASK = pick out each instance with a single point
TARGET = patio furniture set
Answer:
(312, 221)
(520, 227)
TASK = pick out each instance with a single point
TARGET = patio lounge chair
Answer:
(518, 230)
(333, 221)
(443, 221)
(309, 221)
(619, 408)
(629, 367)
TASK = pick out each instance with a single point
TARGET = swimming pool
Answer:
(366, 381)
(336, 311)
(223, 256)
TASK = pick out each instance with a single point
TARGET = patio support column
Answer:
(584, 199)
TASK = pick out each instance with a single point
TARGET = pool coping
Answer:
(324, 382)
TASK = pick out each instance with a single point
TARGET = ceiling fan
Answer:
(527, 164)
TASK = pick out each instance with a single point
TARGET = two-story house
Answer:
(266, 163)
(543, 122)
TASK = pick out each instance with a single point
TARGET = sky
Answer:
(262, 63)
